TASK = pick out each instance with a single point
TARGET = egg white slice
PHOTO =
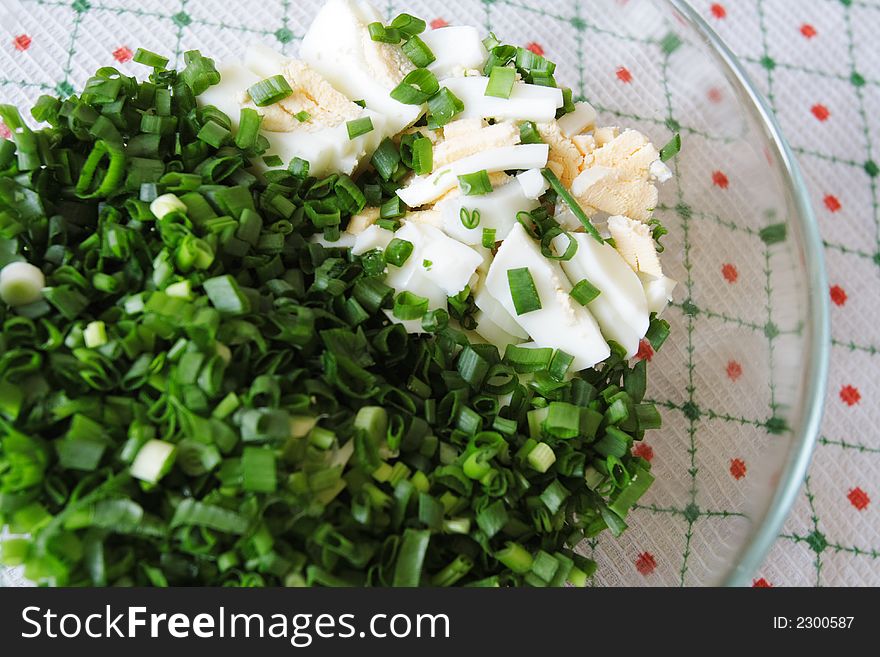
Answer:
(498, 210)
(621, 308)
(561, 323)
(336, 46)
(527, 102)
(427, 189)
(457, 48)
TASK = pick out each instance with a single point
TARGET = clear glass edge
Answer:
(752, 556)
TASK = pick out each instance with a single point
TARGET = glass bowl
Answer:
(741, 380)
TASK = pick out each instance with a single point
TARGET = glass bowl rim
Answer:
(750, 558)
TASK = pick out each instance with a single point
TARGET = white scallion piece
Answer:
(21, 283)
(153, 461)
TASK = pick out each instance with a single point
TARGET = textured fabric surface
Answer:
(818, 65)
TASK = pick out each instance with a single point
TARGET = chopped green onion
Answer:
(658, 331)
(488, 240)
(567, 103)
(493, 518)
(408, 25)
(469, 219)
(214, 134)
(523, 291)
(563, 420)
(379, 32)
(269, 91)
(226, 296)
(393, 208)
(435, 320)
(547, 239)
(416, 87)
(410, 557)
(475, 184)
(302, 116)
(515, 557)
(398, 251)
(576, 209)
(199, 74)
(153, 461)
(501, 81)
(21, 283)
(614, 443)
(422, 156)
(359, 127)
(532, 62)
(95, 335)
(418, 52)
(627, 496)
(525, 359)
(386, 159)
(584, 292)
(258, 470)
(442, 108)
(559, 364)
(671, 149)
(298, 168)
(499, 55)
(409, 306)
(541, 457)
(148, 58)
(248, 128)
(528, 133)
(647, 416)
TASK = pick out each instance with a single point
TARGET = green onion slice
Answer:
(398, 251)
(379, 32)
(358, 127)
(418, 52)
(408, 25)
(671, 149)
(523, 291)
(584, 292)
(409, 306)
(416, 88)
(475, 184)
(501, 81)
(573, 205)
(269, 91)
(469, 219)
(442, 108)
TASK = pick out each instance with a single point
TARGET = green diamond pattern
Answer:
(181, 19)
(670, 43)
(64, 88)
(284, 35)
(690, 308)
(817, 541)
(691, 512)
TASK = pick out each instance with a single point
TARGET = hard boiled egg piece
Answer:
(561, 322)
(620, 308)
